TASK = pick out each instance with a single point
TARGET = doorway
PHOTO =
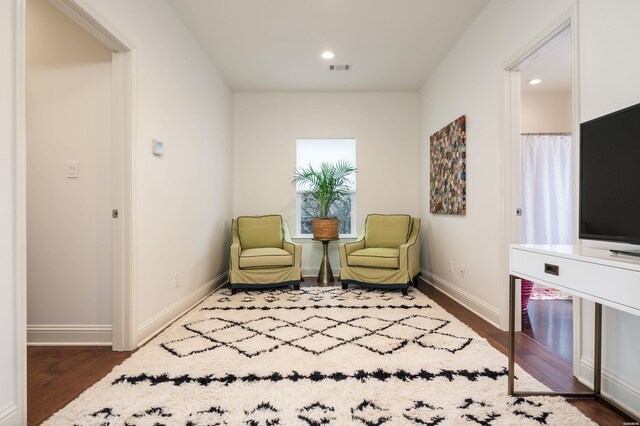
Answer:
(121, 89)
(561, 32)
(69, 177)
(546, 151)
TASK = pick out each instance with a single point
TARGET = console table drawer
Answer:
(581, 278)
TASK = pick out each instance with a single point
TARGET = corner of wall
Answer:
(9, 415)
(469, 301)
(154, 325)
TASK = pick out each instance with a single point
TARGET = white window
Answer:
(314, 152)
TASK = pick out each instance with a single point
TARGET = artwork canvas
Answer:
(448, 169)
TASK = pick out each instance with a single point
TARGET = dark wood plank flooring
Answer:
(550, 322)
(57, 375)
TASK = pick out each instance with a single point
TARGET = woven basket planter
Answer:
(325, 229)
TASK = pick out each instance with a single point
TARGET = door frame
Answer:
(511, 177)
(124, 332)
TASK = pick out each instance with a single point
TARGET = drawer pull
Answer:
(551, 269)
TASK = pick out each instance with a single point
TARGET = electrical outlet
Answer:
(176, 280)
(463, 271)
(451, 266)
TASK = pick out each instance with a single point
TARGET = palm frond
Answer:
(327, 184)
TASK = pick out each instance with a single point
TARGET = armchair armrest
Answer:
(353, 246)
(347, 248)
(290, 246)
(234, 255)
(410, 251)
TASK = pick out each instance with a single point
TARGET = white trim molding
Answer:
(8, 414)
(469, 301)
(80, 12)
(614, 387)
(69, 335)
(154, 325)
(20, 218)
(123, 107)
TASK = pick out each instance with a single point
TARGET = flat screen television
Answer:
(610, 177)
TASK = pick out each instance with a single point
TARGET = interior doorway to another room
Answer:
(546, 149)
(73, 171)
(69, 181)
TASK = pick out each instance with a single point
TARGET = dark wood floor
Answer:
(550, 323)
(57, 375)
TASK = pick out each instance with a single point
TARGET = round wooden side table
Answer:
(325, 275)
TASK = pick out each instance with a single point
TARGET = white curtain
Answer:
(546, 189)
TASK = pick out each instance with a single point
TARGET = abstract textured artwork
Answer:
(448, 193)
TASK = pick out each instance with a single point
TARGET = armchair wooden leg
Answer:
(405, 291)
(296, 286)
(233, 291)
(344, 286)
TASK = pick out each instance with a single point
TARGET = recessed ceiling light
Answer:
(328, 54)
(535, 81)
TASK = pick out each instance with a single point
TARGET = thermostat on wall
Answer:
(158, 148)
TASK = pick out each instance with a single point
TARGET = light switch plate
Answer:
(158, 148)
(72, 169)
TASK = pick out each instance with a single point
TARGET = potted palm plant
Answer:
(325, 186)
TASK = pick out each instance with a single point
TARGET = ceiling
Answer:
(551, 64)
(275, 45)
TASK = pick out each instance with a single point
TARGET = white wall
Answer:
(546, 112)
(68, 91)
(608, 70)
(468, 81)
(266, 126)
(182, 201)
(9, 363)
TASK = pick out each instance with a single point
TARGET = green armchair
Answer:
(386, 255)
(262, 254)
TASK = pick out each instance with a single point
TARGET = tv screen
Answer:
(610, 177)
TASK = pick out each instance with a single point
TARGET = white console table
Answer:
(593, 274)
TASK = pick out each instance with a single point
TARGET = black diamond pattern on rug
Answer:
(264, 414)
(316, 414)
(315, 334)
(152, 416)
(526, 408)
(423, 413)
(369, 414)
(324, 363)
(278, 295)
(210, 417)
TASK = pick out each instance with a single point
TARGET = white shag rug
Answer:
(315, 356)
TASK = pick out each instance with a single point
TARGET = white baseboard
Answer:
(469, 301)
(613, 387)
(154, 325)
(9, 415)
(68, 335)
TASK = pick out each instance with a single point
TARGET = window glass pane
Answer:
(342, 209)
(314, 152)
(317, 151)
